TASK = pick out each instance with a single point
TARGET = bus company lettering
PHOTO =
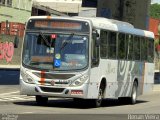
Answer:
(110, 69)
(6, 51)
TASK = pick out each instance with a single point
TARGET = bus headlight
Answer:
(27, 78)
(79, 81)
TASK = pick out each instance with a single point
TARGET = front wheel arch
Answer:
(103, 84)
(97, 102)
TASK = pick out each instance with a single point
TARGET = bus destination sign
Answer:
(58, 25)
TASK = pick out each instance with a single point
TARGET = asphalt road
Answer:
(23, 107)
(17, 107)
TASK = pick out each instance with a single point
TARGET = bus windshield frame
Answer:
(57, 43)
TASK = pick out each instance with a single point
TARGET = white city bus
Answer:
(86, 58)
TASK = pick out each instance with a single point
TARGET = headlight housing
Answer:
(79, 81)
(27, 78)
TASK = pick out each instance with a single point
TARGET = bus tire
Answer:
(41, 100)
(133, 98)
(97, 102)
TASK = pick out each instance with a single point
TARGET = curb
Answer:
(9, 67)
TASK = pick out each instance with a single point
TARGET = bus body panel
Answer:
(120, 80)
(149, 77)
(119, 74)
(110, 72)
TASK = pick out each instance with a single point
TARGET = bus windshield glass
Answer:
(55, 51)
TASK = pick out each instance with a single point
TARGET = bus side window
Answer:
(136, 46)
(121, 46)
(150, 50)
(95, 48)
(104, 44)
(130, 38)
(112, 43)
(144, 48)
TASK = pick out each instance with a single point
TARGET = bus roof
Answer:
(104, 23)
(119, 26)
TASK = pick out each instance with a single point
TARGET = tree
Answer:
(155, 11)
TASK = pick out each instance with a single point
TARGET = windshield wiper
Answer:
(68, 40)
(44, 38)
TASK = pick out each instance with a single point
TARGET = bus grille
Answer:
(56, 90)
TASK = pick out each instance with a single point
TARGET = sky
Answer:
(156, 1)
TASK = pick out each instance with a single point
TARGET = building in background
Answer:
(153, 26)
(15, 10)
(135, 12)
(65, 7)
(68, 7)
(89, 3)
(39, 9)
(88, 8)
(13, 16)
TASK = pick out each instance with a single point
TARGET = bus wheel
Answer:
(97, 102)
(133, 98)
(41, 100)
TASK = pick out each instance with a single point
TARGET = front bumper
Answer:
(53, 91)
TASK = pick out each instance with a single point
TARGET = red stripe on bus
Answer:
(42, 80)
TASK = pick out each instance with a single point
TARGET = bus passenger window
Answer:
(104, 44)
(130, 39)
(144, 49)
(136, 46)
(121, 46)
(95, 49)
(112, 45)
(150, 50)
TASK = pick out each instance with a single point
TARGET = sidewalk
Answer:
(156, 87)
(9, 88)
(9, 66)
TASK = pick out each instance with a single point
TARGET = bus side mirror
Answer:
(96, 38)
(97, 42)
(16, 41)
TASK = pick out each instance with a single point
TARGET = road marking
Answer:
(156, 90)
(9, 93)
(28, 112)
(15, 97)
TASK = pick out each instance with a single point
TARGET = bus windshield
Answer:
(55, 51)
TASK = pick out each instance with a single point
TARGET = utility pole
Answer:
(121, 9)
